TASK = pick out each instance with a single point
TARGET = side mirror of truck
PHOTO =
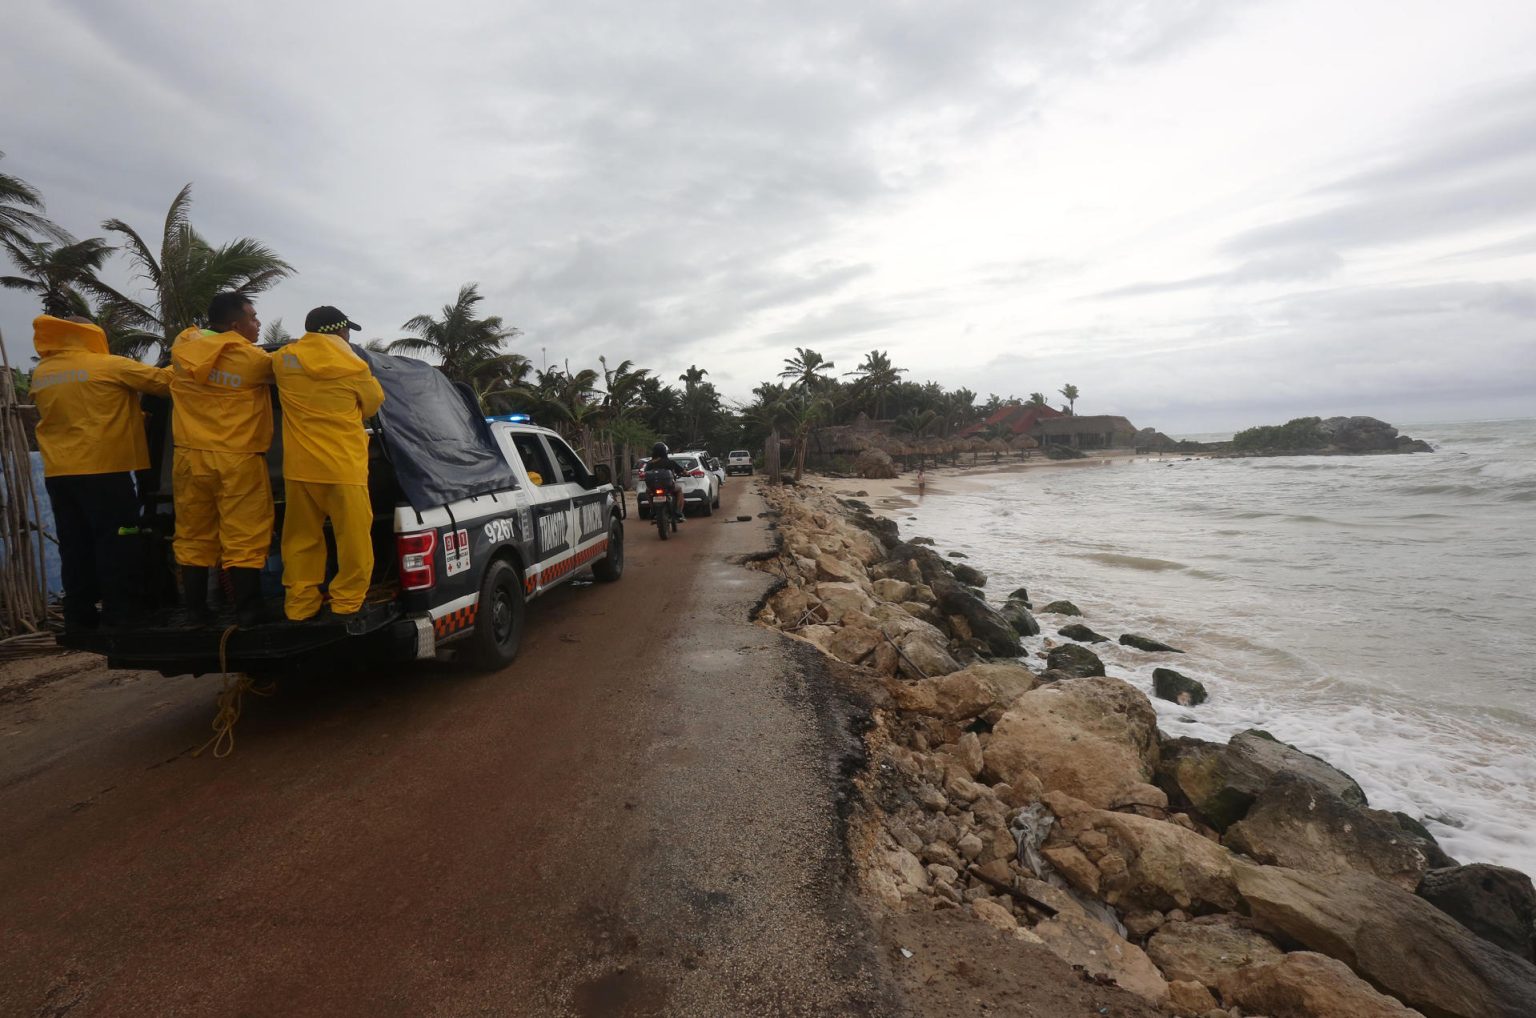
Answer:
(602, 474)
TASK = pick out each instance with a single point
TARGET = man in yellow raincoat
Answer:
(91, 434)
(221, 418)
(326, 391)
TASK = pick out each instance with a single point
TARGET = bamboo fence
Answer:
(23, 570)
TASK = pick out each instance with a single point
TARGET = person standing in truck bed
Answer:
(326, 391)
(221, 419)
(91, 434)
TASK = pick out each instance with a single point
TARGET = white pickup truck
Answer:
(473, 518)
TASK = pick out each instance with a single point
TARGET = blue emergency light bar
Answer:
(511, 418)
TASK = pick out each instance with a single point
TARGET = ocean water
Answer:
(1377, 611)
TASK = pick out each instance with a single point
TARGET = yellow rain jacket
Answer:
(220, 387)
(87, 399)
(327, 391)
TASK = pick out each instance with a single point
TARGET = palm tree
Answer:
(185, 275)
(808, 369)
(878, 376)
(1070, 392)
(621, 402)
(55, 272)
(21, 213)
(1037, 399)
(466, 347)
(275, 335)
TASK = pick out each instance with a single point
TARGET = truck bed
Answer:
(170, 646)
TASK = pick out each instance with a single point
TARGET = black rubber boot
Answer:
(250, 609)
(194, 595)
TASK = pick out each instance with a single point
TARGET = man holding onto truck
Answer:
(91, 435)
(327, 391)
(221, 419)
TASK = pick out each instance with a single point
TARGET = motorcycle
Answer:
(664, 512)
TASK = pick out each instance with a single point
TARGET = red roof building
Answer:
(1018, 417)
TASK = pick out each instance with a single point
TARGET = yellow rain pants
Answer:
(223, 509)
(351, 518)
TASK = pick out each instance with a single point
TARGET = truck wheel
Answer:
(498, 628)
(611, 566)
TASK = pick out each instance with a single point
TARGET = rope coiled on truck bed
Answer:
(235, 687)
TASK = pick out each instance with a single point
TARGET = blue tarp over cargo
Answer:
(436, 438)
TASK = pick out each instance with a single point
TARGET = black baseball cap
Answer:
(329, 319)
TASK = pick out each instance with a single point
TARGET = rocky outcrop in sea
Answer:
(1041, 799)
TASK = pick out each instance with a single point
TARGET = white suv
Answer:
(701, 489)
(738, 461)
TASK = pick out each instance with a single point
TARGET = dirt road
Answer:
(638, 817)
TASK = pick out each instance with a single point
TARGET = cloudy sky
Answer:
(1204, 215)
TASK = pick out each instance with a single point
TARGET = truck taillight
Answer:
(416, 565)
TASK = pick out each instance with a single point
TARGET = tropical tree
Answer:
(21, 213)
(808, 369)
(55, 273)
(621, 405)
(275, 335)
(878, 377)
(467, 348)
(1069, 391)
(698, 400)
(184, 275)
(1037, 399)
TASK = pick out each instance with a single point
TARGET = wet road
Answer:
(638, 817)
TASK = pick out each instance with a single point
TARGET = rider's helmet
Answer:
(660, 450)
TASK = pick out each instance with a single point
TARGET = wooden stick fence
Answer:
(23, 570)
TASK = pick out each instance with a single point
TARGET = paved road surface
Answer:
(638, 817)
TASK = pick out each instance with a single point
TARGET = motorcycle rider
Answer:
(667, 471)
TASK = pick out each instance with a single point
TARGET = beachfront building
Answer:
(1100, 431)
(1019, 418)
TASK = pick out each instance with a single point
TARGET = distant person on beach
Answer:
(91, 435)
(922, 482)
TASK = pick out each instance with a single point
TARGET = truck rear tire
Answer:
(611, 566)
(498, 631)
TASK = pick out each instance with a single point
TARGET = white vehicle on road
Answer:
(738, 461)
(701, 488)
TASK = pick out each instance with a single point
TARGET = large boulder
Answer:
(1090, 738)
(883, 530)
(1297, 823)
(923, 656)
(968, 575)
(1496, 903)
(838, 600)
(982, 619)
(1220, 782)
(1359, 434)
(852, 644)
(1074, 659)
(1177, 687)
(1081, 633)
(1100, 951)
(1016, 614)
(1061, 608)
(1208, 947)
(1305, 984)
(1399, 943)
(1140, 864)
(1146, 643)
(964, 694)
